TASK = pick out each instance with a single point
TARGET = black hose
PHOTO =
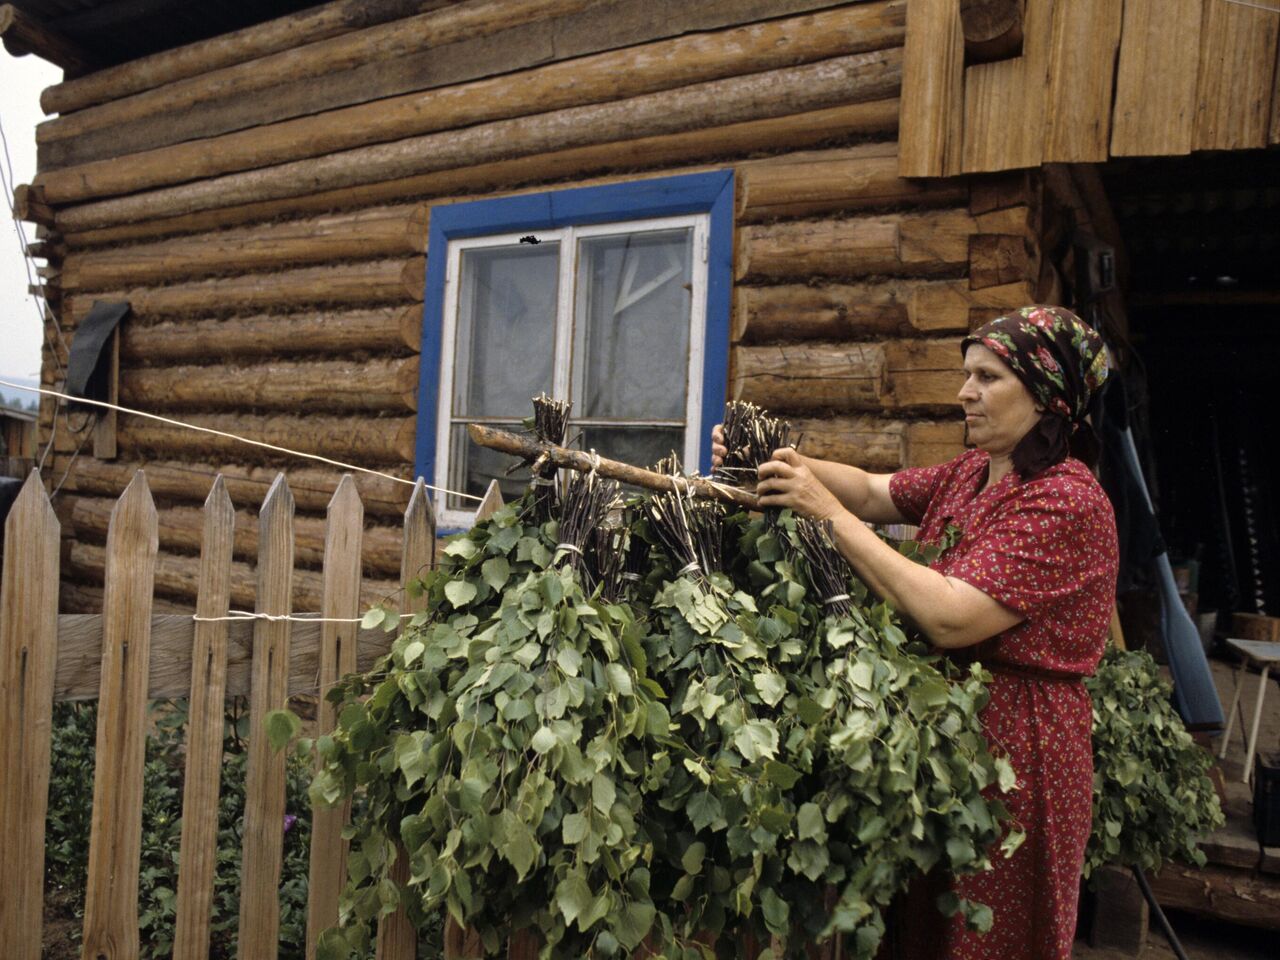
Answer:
(1163, 920)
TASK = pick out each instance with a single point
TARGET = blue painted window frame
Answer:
(709, 193)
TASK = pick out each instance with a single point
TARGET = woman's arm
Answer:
(951, 613)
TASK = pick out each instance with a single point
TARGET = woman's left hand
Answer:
(787, 482)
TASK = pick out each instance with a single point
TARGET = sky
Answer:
(21, 81)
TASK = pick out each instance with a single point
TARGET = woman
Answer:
(1028, 588)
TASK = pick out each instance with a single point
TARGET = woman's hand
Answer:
(718, 450)
(786, 481)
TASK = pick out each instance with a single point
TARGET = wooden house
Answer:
(354, 228)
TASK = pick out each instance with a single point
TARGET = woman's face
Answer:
(998, 408)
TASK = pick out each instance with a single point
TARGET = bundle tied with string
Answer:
(606, 553)
(584, 506)
(750, 437)
(690, 530)
(829, 572)
(550, 423)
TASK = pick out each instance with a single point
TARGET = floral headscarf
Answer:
(1062, 361)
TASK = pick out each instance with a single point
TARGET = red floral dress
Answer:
(1045, 548)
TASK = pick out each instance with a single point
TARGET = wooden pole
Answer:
(531, 449)
(877, 118)
(283, 33)
(827, 83)
(630, 73)
(24, 34)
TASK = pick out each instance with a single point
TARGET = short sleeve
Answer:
(913, 489)
(1038, 549)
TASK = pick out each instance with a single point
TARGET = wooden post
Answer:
(397, 940)
(115, 838)
(343, 532)
(206, 714)
(265, 777)
(28, 663)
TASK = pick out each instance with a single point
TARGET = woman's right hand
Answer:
(718, 450)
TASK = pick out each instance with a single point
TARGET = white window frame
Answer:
(568, 308)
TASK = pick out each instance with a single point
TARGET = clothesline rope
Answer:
(231, 436)
(234, 615)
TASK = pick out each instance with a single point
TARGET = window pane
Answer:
(638, 446)
(631, 352)
(472, 468)
(506, 329)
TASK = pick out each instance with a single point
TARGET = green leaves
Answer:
(460, 592)
(282, 726)
(519, 847)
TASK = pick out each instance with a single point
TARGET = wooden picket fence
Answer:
(128, 656)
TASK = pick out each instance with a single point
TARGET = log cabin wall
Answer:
(1003, 84)
(267, 220)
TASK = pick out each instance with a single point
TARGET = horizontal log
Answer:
(177, 577)
(25, 34)
(928, 443)
(172, 640)
(840, 80)
(283, 33)
(301, 60)
(859, 311)
(1223, 893)
(923, 373)
(181, 528)
(867, 442)
(992, 29)
(363, 441)
(189, 482)
(354, 284)
(373, 385)
(388, 232)
(801, 377)
(876, 118)
(383, 330)
(29, 205)
(630, 73)
(996, 259)
(859, 178)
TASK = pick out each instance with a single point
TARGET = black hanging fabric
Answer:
(88, 371)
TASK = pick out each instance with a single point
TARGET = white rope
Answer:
(232, 436)
(292, 617)
(1256, 6)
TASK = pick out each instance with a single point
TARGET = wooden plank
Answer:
(1005, 102)
(172, 637)
(263, 836)
(448, 48)
(115, 834)
(1156, 78)
(397, 939)
(206, 715)
(1234, 844)
(1236, 79)
(1223, 893)
(1082, 56)
(343, 529)
(28, 662)
(932, 90)
(826, 83)
(491, 503)
(283, 33)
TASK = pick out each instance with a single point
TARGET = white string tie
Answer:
(570, 547)
(595, 460)
(633, 577)
(689, 568)
(837, 598)
(232, 436)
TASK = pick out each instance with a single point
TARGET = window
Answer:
(620, 306)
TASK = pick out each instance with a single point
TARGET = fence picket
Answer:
(491, 503)
(265, 776)
(28, 662)
(115, 834)
(344, 531)
(397, 939)
(206, 712)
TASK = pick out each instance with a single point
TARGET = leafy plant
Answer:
(714, 756)
(1152, 798)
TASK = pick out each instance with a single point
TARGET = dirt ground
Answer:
(1201, 939)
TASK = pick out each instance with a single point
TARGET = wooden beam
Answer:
(1237, 76)
(1086, 35)
(878, 118)
(24, 34)
(1156, 78)
(29, 205)
(602, 78)
(1223, 893)
(930, 131)
(993, 29)
(283, 33)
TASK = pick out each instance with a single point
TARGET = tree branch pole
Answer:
(1165, 927)
(531, 449)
